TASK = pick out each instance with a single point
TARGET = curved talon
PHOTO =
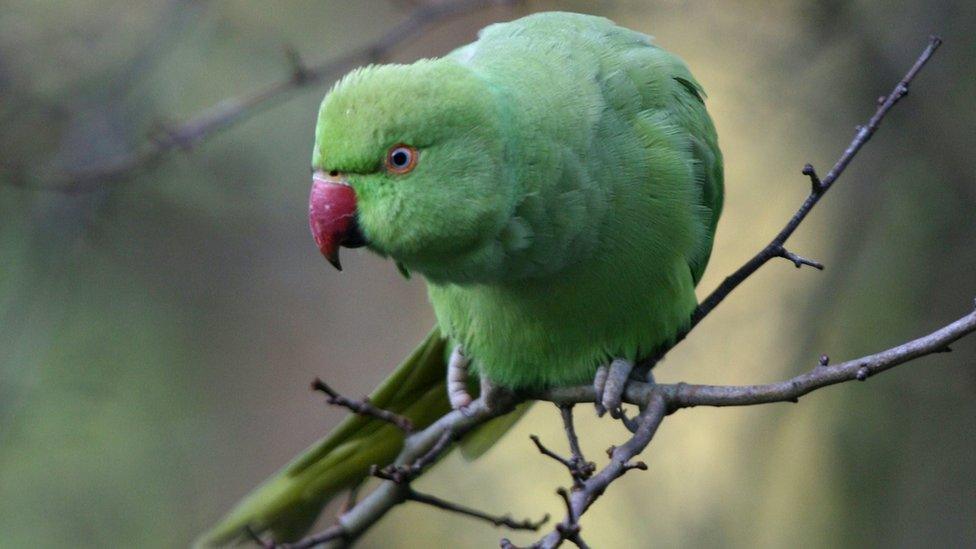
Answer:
(457, 381)
(599, 384)
(613, 391)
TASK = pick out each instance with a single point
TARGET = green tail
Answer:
(290, 501)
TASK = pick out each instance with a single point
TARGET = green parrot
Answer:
(556, 183)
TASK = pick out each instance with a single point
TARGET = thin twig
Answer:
(506, 520)
(818, 188)
(422, 448)
(799, 260)
(620, 462)
(569, 529)
(362, 407)
(579, 468)
(166, 138)
(566, 411)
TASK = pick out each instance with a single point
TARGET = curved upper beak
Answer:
(332, 216)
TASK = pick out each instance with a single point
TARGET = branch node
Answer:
(863, 373)
(579, 468)
(816, 185)
(824, 361)
(391, 473)
(635, 465)
(569, 529)
(798, 260)
(630, 423)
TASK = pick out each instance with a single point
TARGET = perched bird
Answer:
(556, 183)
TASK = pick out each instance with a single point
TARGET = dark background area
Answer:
(157, 335)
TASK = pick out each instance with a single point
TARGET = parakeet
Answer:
(556, 183)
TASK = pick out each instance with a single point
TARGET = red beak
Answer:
(332, 216)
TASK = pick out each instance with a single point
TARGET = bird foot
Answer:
(609, 383)
(490, 395)
(457, 380)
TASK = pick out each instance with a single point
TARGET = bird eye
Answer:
(401, 159)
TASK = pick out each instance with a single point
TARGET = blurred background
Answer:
(158, 333)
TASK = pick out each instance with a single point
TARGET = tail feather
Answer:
(288, 503)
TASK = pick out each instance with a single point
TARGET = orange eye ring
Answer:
(401, 159)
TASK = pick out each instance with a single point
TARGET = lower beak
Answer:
(332, 216)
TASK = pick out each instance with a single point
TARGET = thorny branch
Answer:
(166, 138)
(656, 401)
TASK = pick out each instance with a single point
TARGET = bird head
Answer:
(409, 161)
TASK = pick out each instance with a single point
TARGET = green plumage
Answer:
(562, 210)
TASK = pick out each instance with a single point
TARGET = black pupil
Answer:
(400, 158)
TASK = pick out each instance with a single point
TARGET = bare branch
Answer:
(422, 447)
(657, 400)
(165, 138)
(579, 468)
(566, 411)
(684, 395)
(403, 474)
(507, 521)
(776, 247)
(620, 462)
(362, 407)
(663, 399)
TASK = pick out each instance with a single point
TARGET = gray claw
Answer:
(457, 380)
(599, 383)
(616, 382)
